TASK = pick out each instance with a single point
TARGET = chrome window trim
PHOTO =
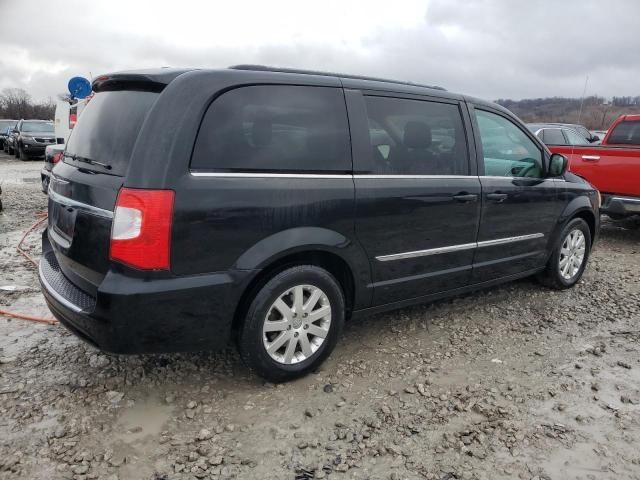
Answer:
(457, 248)
(51, 291)
(489, 177)
(61, 199)
(400, 176)
(321, 175)
(360, 176)
(268, 175)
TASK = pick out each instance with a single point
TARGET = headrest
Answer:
(417, 135)
(261, 132)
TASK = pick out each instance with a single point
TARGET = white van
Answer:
(66, 116)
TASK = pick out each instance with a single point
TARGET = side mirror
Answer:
(558, 165)
(594, 138)
(15, 130)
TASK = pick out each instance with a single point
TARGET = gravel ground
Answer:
(514, 382)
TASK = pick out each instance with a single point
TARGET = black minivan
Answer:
(268, 206)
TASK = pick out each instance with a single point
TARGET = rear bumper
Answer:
(134, 315)
(621, 205)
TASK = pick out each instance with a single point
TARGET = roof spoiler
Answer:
(127, 81)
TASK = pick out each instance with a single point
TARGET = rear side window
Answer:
(275, 128)
(553, 136)
(627, 133)
(416, 137)
(107, 130)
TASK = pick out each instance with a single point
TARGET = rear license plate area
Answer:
(64, 220)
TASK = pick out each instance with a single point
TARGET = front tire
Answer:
(293, 323)
(569, 257)
(23, 156)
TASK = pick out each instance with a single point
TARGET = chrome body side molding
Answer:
(457, 248)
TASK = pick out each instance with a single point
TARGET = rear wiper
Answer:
(78, 158)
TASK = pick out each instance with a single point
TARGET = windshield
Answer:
(583, 131)
(107, 129)
(575, 138)
(37, 127)
(4, 124)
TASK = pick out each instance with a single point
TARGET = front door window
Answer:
(507, 150)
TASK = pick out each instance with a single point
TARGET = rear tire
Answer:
(292, 324)
(569, 256)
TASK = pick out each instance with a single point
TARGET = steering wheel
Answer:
(530, 169)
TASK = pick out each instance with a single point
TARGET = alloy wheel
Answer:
(572, 254)
(296, 324)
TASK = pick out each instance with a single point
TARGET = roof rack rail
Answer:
(265, 68)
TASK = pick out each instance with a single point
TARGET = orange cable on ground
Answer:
(29, 230)
(31, 318)
(22, 316)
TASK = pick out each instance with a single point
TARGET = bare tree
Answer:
(17, 103)
(597, 113)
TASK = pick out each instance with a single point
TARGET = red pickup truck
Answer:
(613, 167)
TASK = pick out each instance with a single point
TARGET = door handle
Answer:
(465, 197)
(593, 158)
(497, 197)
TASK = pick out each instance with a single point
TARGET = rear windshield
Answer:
(626, 133)
(37, 127)
(107, 130)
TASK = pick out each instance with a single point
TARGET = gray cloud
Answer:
(488, 48)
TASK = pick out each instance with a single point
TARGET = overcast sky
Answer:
(488, 48)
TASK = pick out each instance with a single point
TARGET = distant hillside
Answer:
(597, 113)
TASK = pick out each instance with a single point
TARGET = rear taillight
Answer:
(57, 157)
(141, 230)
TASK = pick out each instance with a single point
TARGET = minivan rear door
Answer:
(84, 186)
(417, 194)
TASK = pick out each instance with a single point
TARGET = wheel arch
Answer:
(589, 217)
(579, 207)
(315, 255)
